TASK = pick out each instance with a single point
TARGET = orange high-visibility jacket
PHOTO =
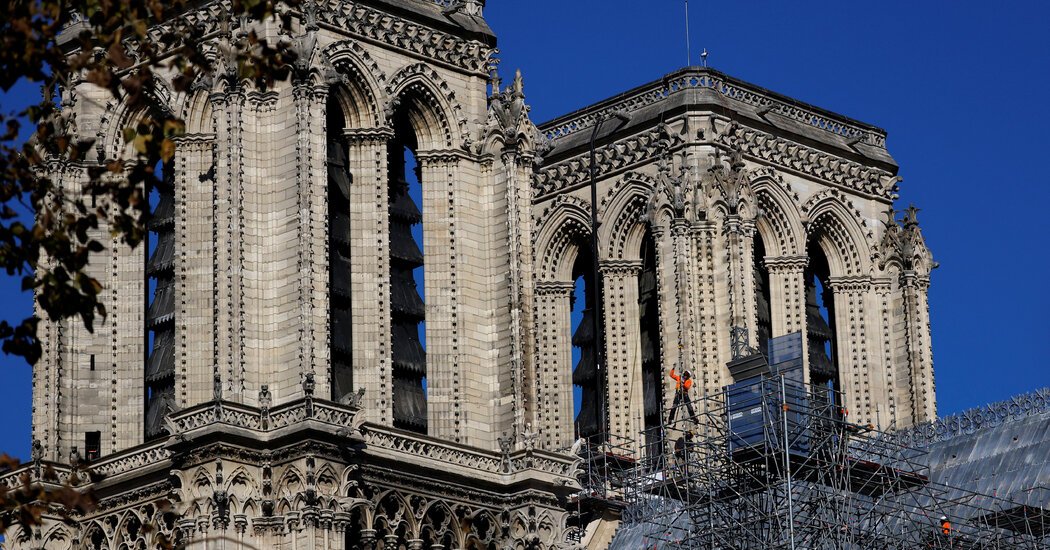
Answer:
(946, 527)
(678, 381)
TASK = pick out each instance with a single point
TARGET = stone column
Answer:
(739, 237)
(554, 399)
(226, 213)
(787, 293)
(851, 332)
(194, 263)
(368, 539)
(676, 275)
(370, 264)
(517, 171)
(704, 334)
(882, 347)
(310, 158)
(920, 355)
(442, 252)
(623, 354)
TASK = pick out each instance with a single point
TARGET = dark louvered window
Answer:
(340, 316)
(160, 303)
(407, 309)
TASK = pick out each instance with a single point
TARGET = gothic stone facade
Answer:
(273, 374)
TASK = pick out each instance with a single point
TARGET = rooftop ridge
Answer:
(978, 418)
(728, 87)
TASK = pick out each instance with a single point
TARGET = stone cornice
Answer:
(619, 155)
(368, 23)
(470, 462)
(726, 89)
(805, 160)
(378, 26)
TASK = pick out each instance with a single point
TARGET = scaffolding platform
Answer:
(1022, 519)
(804, 477)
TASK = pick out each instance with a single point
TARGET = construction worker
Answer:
(682, 445)
(946, 526)
(682, 384)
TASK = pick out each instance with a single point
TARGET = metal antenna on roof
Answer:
(703, 57)
(688, 54)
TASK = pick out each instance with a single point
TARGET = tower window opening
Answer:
(588, 396)
(159, 325)
(820, 322)
(92, 445)
(649, 334)
(763, 307)
(340, 318)
(407, 307)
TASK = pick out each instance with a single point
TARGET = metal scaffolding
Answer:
(771, 462)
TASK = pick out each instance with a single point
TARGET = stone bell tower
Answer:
(327, 339)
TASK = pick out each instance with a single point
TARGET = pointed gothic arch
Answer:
(563, 225)
(94, 537)
(117, 115)
(620, 212)
(358, 82)
(430, 105)
(195, 109)
(780, 224)
(833, 222)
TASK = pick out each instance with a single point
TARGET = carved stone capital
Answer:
(786, 264)
(737, 224)
(368, 136)
(443, 156)
(620, 268)
(262, 101)
(554, 288)
(882, 285)
(193, 142)
(679, 226)
(849, 285)
(705, 226)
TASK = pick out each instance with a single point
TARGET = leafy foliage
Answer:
(27, 501)
(115, 46)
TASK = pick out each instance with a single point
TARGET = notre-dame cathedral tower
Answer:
(353, 326)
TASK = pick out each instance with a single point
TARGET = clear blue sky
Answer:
(960, 86)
